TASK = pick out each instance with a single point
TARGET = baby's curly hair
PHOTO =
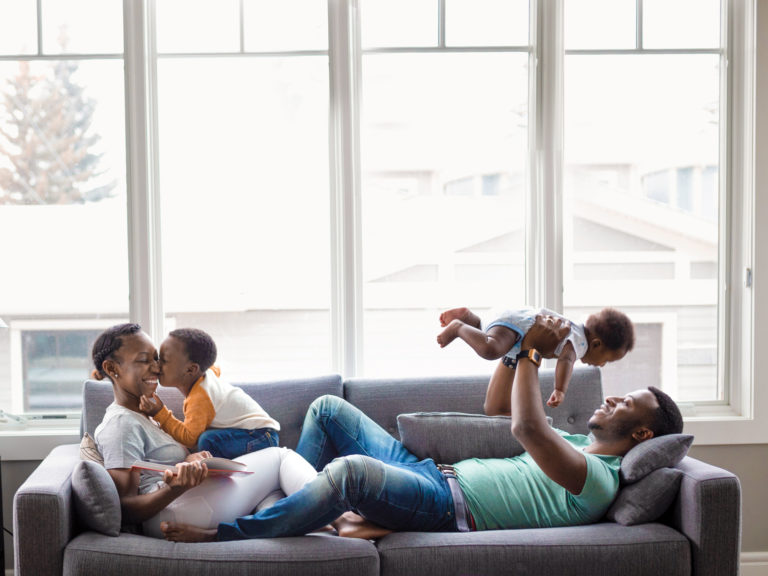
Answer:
(107, 343)
(201, 348)
(614, 328)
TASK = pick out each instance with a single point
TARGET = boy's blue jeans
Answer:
(363, 469)
(233, 442)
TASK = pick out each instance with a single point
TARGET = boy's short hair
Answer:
(614, 328)
(201, 348)
(667, 418)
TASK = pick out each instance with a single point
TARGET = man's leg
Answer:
(333, 427)
(397, 497)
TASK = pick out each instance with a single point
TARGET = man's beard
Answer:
(622, 430)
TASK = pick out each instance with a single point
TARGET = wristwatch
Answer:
(531, 354)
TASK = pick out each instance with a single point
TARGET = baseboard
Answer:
(754, 564)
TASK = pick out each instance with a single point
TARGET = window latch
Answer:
(748, 278)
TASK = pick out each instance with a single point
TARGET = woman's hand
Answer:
(197, 456)
(188, 475)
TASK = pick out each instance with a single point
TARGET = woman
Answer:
(126, 355)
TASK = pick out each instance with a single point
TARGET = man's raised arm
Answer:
(552, 453)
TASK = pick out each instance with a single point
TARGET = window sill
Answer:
(33, 442)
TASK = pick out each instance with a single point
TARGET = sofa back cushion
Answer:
(285, 400)
(383, 399)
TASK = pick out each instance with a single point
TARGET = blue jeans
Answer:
(233, 442)
(364, 469)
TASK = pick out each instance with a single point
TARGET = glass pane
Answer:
(398, 23)
(640, 215)
(245, 219)
(272, 26)
(444, 151)
(82, 26)
(681, 23)
(198, 26)
(600, 24)
(18, 27)
(486, 22)
(63, 210)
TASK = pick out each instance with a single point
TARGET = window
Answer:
(314, 190)
(652, 111)
(62, 193)
(455, 120)
(243, 181)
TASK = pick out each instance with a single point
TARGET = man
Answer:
(560, 480)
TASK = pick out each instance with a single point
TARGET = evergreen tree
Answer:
(46, 139)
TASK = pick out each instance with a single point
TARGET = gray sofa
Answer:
(699, 535)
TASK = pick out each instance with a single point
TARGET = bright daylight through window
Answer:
(299, 246)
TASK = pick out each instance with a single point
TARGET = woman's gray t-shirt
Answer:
(125, 436)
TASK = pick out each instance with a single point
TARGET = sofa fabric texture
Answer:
(698, 535)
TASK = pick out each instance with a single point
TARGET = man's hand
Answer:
(150, 405)
(545, 334)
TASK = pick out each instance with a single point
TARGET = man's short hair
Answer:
(667, 418)
(201, 349)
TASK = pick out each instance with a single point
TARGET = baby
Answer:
(218, 417)
(606, 337)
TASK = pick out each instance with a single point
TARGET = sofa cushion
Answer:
(662, 452)
(449, 437)
(647, 499)
(95, 497)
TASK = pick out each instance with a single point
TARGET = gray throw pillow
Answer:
(646, 500)
(95, 496)
(449, 437)
(662, 452)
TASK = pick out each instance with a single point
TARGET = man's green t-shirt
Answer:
(504, 493)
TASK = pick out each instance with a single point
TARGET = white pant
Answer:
(224, 498)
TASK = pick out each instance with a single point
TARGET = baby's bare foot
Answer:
(450, 333)
(464, 314)
(453, 314)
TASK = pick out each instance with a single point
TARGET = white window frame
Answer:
(743, 419)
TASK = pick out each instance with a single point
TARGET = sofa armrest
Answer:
(708, 512)
(43, 515)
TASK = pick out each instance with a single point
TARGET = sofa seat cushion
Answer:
(645, 550)
(92, 554)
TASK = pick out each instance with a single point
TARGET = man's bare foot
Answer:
(351, 525)
(463, 314)
(450, 333)
(186, 533)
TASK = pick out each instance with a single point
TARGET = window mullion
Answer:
(545, 223)
(142, 172)
(344, 133)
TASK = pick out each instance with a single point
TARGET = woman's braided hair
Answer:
(107, 344)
